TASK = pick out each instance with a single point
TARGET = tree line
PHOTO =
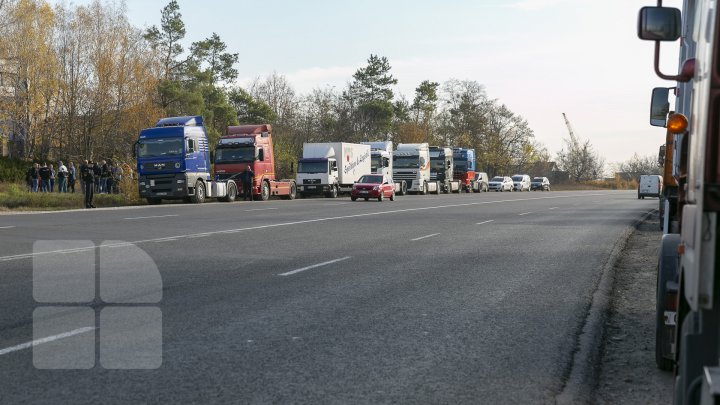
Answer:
(81, 81)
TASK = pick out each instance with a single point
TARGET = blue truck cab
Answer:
(464, 167)
(173, 160)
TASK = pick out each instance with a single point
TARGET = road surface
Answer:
(429, 299)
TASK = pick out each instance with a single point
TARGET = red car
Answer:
(373, 186)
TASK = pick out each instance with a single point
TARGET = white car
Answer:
(521, 182)
(501, 183)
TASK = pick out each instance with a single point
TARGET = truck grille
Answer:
(404, 176)
(311, 181)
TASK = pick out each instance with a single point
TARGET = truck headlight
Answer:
(180, 181)
(142, 183)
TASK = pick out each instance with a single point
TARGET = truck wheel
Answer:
(264, 191)
(199, 196)
(424, 190)
(403, 188)
(293, 192)
(666, 277)
(333, 192)
(154, 201)
(231, 193)
(437, 190)
(367, 198)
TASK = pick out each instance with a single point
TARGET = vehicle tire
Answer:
(424, 190)
(264, 191)
(487, 188)
(199, 196)
(353, 198)
(231, 193)
(367, 198)
(381, 197)
(392, 196)
(437, 190)
(667, 271)
(403, 188)
(333, 193)
(293, 191)
(460, 189)
(154, 201)
(638, 196)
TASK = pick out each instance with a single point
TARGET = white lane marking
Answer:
(334, 204)
(525, 213)
(485, 222)
(260, 209)
(7, 227)
(152, 216)
(425, 237)
(253, 228)
(553, 208)
(289, 273)
(46, 340)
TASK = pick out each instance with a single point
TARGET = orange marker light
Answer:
(677, 124)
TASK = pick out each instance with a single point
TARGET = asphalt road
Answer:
(473, 298)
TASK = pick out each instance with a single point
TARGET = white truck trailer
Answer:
(331, 168)
(411, 164)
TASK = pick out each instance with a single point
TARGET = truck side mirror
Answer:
(135, 149)
(659, 23)
(659, 106)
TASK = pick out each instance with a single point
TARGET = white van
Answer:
(650, 186)
(521, 182)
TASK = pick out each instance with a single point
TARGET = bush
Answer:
(13, 170)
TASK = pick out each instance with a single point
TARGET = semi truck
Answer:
(688, 282)
(251, 146)
(381, 162)
(411, 163)
(464, 161)
(173, 162)
(442, 169)
(331, 168)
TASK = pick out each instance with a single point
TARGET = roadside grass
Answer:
(597, 185)
(16, 197)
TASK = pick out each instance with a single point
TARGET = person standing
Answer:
(28, 177)
(35, 177)
(104, 177)
(44, 178)
(71, 177)
(247, 180)
(52, 178)
(96, 176)
(87, 174)
(62, 175)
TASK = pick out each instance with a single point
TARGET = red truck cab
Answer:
(251, 145)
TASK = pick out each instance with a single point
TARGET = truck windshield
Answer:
(461, 166)
(160, 147)
(438, 163)
(406, 162)
(375, 162)
(235, 155)
(312, 167)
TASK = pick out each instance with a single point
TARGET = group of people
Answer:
(96, 178)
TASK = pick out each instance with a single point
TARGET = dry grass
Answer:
(15, 197)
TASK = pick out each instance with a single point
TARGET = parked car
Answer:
(521, 182)
(540, 183)
(373, 186)
(501, 183)
(480, 182)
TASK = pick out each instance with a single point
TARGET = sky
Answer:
(541, 58)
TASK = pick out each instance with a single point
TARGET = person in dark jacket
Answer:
(247, 180)
(97, 171)
(72, 176)
(87, 174)
(44, 178)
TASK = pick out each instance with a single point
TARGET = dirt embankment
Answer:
(628, 374)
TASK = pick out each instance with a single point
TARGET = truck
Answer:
(331, 168)
(464, 161)
(251, 146)
(442, 169)
(649, 185)
(173, 162)
(381, 162)
(411, 164)
(688, 279)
